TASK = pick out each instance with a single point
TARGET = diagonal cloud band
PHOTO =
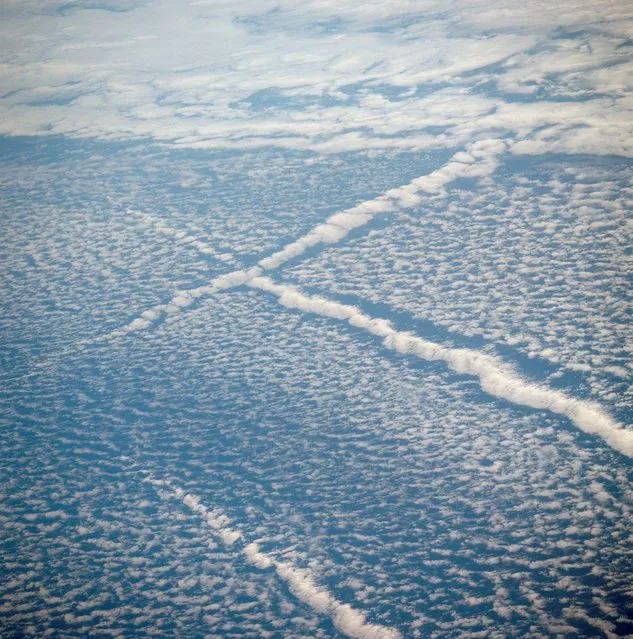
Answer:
(300, 581)
(477, 161)
(495, 377)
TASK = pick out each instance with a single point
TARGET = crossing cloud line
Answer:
(479, 160)
(495, 377)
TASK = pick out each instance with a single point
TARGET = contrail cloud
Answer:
(300, 581)
(495, 377)
(479, 160)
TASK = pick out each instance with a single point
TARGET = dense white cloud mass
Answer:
(326, 76)
(316, 319)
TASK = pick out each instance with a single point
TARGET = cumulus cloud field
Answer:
(316, 319)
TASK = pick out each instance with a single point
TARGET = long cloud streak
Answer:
(478, 161)
(300, 581)
(495, 378)
(182, 299)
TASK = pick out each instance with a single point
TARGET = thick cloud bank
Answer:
(479, 161)
(230, 74)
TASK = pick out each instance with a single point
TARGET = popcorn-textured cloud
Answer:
(494, 377)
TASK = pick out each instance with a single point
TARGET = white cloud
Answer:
(347, 620)
(480, 162)
(180, 300)
(181, 236)
(195, 76)
(494, 376)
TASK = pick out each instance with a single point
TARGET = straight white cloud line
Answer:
(495, 377)
(181, 236)
(300, 581)
(180, 300)
(478, 161)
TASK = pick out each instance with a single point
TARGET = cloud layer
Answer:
(497, 379)
(323, 76)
